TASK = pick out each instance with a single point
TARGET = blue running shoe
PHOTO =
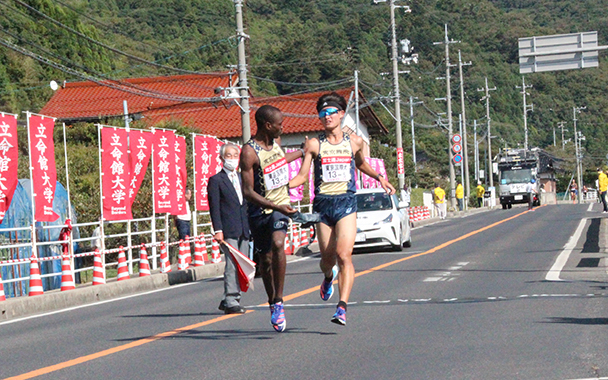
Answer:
(327, 288)
(340, 316)
(277, 317)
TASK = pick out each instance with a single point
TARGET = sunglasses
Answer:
(328, 112)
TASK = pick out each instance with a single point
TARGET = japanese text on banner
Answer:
(164, 179)
(44, 172)
(140, 149)
(8, 161)
(207, 163)
(181, 173)
(115, 174)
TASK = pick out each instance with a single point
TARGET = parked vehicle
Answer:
(382, 220)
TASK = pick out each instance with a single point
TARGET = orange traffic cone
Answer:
(296, 240)
(187, 250)
(99, 274)
(181, 257)
(123, 271)
(288, 248)
(215, 252)
(67, 279)
(165, 265)
(204, 245)
(144, 265)
(304, 240)
(35, 279)
(2, 296)
(198, 253)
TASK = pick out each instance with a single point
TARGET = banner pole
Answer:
(29, 144)
(67, 175)
(194, 213)
(102, 235)
(153, 222)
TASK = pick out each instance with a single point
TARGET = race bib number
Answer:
(276, 175)
(336, 169)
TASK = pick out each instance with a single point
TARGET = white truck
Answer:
(516, 167)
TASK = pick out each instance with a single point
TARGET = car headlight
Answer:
(388, 219)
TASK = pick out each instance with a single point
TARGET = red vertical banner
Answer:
(115, 174)
(207, 163)
(42, 160)
(400, 163)
(163, 161)
(182, 174)
(8, 161)
(140, 151)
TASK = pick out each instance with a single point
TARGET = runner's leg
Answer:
(345, 232)
(327, 246)
(278, 264)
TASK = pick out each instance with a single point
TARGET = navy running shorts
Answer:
(332, 208)
(263, 226)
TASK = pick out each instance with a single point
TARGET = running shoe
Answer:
(340, 316)
(277, 317)
(327, 288)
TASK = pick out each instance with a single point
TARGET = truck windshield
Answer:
(515, 176)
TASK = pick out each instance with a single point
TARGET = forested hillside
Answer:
(300, 46)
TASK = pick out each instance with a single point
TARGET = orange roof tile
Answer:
(90, 101)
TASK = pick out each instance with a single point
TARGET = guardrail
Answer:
(16, 248)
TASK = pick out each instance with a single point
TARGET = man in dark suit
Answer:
(230, 223)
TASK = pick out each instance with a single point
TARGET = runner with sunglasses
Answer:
(334, 155)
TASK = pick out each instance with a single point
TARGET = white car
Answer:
(382, 220)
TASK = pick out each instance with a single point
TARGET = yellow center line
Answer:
(140, 342)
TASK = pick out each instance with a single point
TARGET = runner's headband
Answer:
(329, 103)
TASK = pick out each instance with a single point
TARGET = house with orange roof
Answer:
(193, 100)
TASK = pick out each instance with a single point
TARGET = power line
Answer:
(107, 83)
(340, 81)
(117, 51)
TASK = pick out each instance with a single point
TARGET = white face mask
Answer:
(231, 164)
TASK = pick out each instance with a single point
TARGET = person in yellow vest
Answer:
(460, 196)
(439, 199)
(603, 184)
(480, 192)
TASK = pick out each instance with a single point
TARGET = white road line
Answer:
(96, 303)
(562, 259)
(123, 298)
(593, 378)
(590, 207)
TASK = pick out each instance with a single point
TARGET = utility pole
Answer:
(476, 150)
(527, 107)
(396, 94)
(576, 110)
(448, 99)
(487, 99)
(357, 102)
(561, 125)
(412, 104)
(242, 70)
(554, 141)
(467, 185)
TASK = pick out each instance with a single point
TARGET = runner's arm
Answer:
(311, 147)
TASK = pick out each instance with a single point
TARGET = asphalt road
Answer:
(469, 300)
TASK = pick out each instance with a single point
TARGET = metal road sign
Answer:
(559, 52)
(457, 148)
(457, 158)
(456, 139)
